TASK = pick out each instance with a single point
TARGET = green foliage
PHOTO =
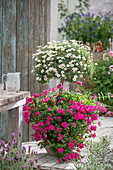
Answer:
(99, 156)
(79, 8)
(89, 28)
(103, 79)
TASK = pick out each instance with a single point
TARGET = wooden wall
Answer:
(24, 24)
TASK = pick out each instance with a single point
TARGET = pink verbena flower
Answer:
(51, 127)
(37, 136)
(37, 113)
(63, 99)
(59, 118)
(93, 128)
(91, 109)
(71, 145)
(103, 109)
(45, 91)
(27, 121)
(40, 123)
(64, 89)
(72, 102)
(25, 108)
(79, 83)
(89, 121)
(61, 111)
(78, 116)
(36, 95)
(73, 124)
(76, 155)
(99, 123)
(60, 160)
(26, 114)
(60, 101)
(81, 145)
(53, 89)
(60, 137)
(71, 156)
(29, 100)
(65, 158)
(64, 124)
(60, 150)
(35, 127)
(60, 86)
(94, 96)
(94, 117)
(93, 135)
(49, 109)
(58, 129)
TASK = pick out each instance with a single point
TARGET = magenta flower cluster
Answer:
(63, 125)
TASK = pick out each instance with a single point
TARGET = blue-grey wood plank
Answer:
(22, 41)
(9, 36)
(34, 41)
(8, 51)
(4, 126)
(1, 30)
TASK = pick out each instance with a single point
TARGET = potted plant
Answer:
(62, 120)
(66, 60)
(90, 28)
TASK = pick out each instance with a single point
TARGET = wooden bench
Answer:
(13, 103)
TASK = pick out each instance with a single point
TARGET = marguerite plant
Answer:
(66, 60)
(62, 120)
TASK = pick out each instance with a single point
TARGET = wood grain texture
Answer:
(10, 98)
(22, 41)
(8, 52)
(9, 36)
(1, 39)
(15, 123)
(24, 24)
(33, 41)
(4, 126)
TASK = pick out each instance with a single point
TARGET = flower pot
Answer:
(49, 151)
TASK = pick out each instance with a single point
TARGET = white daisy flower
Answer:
(58, 75)
(60, 61)
(68, 65)
(43, 61)
(63, 75)
(72, 65)
(37, 78)
(42, 71)
(40, 79)
(48, 58)
(81, 76)
(74, 79)
(75, 76)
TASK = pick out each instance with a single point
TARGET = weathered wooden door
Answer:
(24, 24)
